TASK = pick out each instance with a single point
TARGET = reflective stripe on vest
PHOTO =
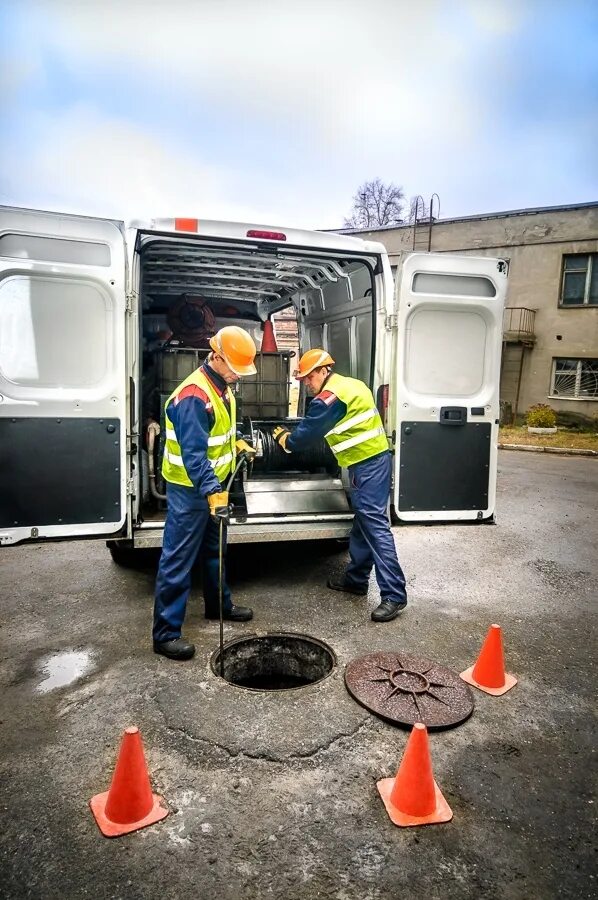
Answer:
(178, 460)
(356, 420)
(358, 439)
(214, 441)
(221, 450)
(360, 434)
(172, 457)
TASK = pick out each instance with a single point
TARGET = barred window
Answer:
(575, 378)
(579, 284)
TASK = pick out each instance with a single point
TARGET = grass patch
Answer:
(572, 440)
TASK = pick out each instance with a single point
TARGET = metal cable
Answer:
(274, 458)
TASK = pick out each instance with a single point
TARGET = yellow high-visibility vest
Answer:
(221, 442)
(360, 434)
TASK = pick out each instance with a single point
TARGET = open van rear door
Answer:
(62, 376)
(446, 398)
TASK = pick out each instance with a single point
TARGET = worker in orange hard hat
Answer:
(236, 347)
(199, 456)
(312, 360)
(344, 413)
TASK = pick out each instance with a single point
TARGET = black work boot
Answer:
(178, 648)
(234, 614)
(339, 584)
(387, 610)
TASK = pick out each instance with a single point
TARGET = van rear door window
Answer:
(53, 332)
(452, 285)
(58, 250)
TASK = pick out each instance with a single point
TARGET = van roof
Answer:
(267, 234)
(231, 262)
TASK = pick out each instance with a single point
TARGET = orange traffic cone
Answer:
(413, 797)
(269, 344)
(488, 674)
(129, 804)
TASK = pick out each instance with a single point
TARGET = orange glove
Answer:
(281, 436)
(217, 500)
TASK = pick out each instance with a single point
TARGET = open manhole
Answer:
(275, 662)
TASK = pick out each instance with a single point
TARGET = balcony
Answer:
(518, 325)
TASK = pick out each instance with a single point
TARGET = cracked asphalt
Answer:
(273, 794)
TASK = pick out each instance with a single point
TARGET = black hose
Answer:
(153, 429)
(241, 460)
(274, 458)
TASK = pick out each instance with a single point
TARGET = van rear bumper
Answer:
(262, 533)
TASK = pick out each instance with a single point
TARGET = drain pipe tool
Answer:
(222, 514)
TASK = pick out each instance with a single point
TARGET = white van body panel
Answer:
(71, 314)
(63, 386)
(445, 396)
(239, 231)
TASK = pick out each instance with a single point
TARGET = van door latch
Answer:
(453, 415)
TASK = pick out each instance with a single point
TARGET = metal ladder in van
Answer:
(423, 219)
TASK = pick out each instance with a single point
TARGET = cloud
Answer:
(80, 161)
(346, 68)
(499, 17)
(110, 167)
(16, 73)
(276, 111)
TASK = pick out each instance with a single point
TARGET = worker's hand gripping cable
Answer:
(218, 502)
(281, 436)
(246, 449)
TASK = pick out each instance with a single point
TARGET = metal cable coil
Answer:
(274, 458)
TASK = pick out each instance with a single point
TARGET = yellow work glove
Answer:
(217, 500)
(243, 447)
(281, 436)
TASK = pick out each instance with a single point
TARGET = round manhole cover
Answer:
(277, 661)
(406, 689)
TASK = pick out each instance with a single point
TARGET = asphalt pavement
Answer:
(273, 794)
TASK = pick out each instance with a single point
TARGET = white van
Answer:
(98, 323)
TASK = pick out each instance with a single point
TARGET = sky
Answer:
(275, 112)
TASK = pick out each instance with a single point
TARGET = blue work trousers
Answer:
(189, 530)
(371, 542)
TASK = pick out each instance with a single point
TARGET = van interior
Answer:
(191, 287)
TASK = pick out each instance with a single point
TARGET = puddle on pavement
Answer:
(62, 669)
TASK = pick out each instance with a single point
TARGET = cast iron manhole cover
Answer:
(406, 689)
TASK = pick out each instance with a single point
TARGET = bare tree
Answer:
(376, 204)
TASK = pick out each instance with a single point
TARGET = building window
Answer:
(579, 286)
(575, 378)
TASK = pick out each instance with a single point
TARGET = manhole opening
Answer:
(275, 662)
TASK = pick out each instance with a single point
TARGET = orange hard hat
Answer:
(311, 360)
(236, 347)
